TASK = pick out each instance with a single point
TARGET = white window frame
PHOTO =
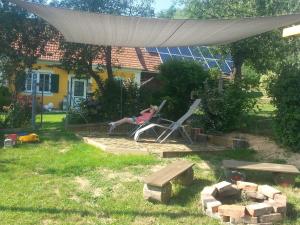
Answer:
(39, 79)
(38, 73)
(3, 82)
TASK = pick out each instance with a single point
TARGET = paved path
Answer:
(123, 145)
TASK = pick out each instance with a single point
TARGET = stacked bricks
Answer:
(267, 207)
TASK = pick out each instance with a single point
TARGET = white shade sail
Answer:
(129, 31)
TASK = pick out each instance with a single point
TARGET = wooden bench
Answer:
(283, 174)
(158, 185)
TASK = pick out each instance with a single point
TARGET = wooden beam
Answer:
(291, 31)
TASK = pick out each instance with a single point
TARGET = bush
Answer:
(225, 110)
(5, 97)
(286, 97)
(180, 78)
(19, 114)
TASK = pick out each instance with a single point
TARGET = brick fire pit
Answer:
(244, 203)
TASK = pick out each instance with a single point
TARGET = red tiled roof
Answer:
(133, 58)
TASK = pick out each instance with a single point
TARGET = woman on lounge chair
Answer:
(145, 115)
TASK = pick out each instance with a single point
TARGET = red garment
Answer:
(144, 117)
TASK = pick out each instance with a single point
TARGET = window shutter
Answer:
(54, 83)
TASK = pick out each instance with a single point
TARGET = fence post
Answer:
(33, 109)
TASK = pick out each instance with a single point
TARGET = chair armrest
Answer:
(170, 121)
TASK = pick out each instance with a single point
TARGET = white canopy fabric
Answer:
(128, 31)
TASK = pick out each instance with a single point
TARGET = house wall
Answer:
(57, 98)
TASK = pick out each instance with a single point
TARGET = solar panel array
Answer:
(207, 56)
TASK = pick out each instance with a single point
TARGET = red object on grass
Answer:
(13, 137)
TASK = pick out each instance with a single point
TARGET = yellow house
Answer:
(58, 87)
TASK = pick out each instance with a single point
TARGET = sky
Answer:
(162, 5)
(158, 5)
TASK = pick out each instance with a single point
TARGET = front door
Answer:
(78, 91)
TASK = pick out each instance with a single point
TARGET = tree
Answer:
(23, 38)
(80, 57)
(179, 79)
(169, 13)
(263, 52)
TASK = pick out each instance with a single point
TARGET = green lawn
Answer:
(51, 120)
(65, 181)
(259, 121)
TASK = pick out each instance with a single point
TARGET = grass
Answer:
(51, 120)
(260, 122)
(65, 181)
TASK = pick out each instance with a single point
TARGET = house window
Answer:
(3, 81)
(79, 88)
(44, 82)
(42, 79)
(28, 82)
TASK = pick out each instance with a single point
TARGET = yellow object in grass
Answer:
(29, 138)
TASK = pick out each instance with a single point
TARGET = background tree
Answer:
(80, 57)
(179, 79)
(23, 38)
(263, 52)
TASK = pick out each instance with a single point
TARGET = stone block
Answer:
(209, 190)
(244, 220)
(223, 186)
(281, 199)
(246, 186)
(271, 218)
(255, 196)
(162, 194)
(205, 199)
(259, 209)
(238, 220)
(260, 223)
(235, 211)
(212, 215)
(225, 219)
(202, 138)
(239, 143)
(278, 207)
(250, 219)
(213, 206)
(268, 191)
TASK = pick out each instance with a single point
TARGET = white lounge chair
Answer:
(168, 130)
(145, 123)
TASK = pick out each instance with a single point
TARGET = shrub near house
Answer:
(18, 114)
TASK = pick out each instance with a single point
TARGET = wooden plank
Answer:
(171, 154)
(291, 31)
(163, 176)
(270, 167)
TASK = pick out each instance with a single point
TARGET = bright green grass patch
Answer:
(265, 109)
(51, 120)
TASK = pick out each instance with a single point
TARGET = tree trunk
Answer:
(98, 80)
(238, 71)
(108, 62)
(238, 57)
(96, 77)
